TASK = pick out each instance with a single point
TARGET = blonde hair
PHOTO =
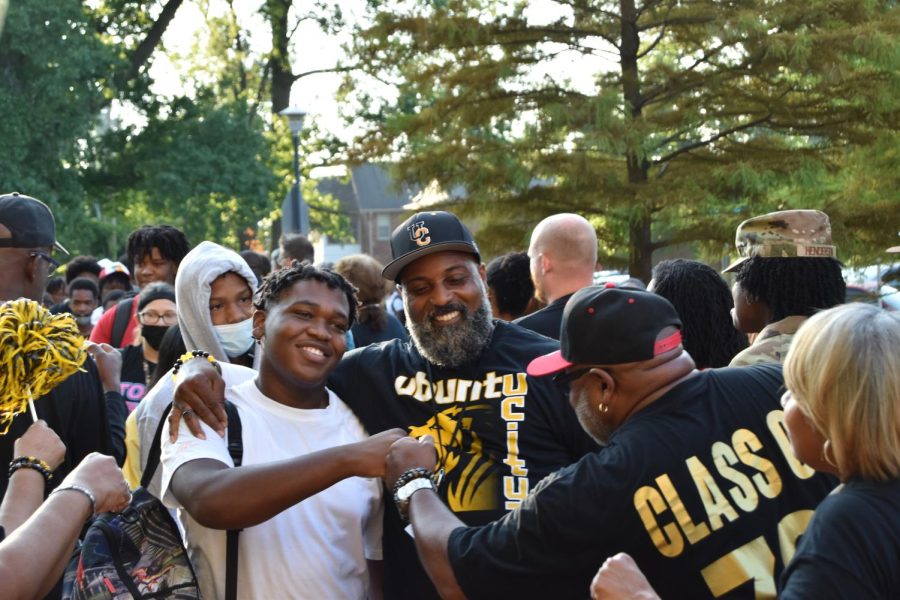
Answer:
(843, 370)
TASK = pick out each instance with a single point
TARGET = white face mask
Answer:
(235, 338)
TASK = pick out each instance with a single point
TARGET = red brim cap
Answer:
(547, 364)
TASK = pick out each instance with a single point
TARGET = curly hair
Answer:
(704, 303)
(80, 265)
(364, 272)
(171, 242)
(509, 278)
(793, 286)
(278, 281)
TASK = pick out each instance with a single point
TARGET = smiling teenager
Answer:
(461, 378)
(307, 496)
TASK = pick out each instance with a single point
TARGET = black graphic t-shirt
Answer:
(852, 546)
(513, 430)
(701, 488)
(134, 378)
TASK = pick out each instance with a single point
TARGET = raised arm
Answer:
(208, 489)
(34, 556)
(25, 491)
(431, 520)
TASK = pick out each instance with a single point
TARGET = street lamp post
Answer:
(300, 212)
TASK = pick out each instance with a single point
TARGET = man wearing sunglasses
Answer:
(78, 409)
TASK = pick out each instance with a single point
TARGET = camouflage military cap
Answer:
(787, 233)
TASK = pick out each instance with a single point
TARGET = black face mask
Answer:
(154, 334)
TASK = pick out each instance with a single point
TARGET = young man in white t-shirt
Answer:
(307, 497)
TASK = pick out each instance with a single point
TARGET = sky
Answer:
(313, 49)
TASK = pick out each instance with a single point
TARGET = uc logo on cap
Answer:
(419, 233)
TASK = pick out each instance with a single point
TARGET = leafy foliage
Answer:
(681, 119)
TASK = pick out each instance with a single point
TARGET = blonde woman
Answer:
(842, 410)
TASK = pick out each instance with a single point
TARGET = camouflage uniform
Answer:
(771, 344)
(784, 234)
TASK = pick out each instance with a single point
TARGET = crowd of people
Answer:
(482, 432)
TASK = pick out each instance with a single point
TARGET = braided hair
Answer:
(278, 281)
(509, 276)
(793, 286)
(703, 301)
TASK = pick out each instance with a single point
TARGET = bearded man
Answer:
(460, 379)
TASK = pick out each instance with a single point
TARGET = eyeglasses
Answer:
(567, 377)
(149, 317)
(54, 264)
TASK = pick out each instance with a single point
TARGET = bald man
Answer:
(563, 253)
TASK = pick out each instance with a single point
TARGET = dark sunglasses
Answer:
(567, 377)
(54, 264)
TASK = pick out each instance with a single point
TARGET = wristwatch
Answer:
(405, 492)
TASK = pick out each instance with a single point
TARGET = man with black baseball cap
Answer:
(696, 479)
(77, 409)
(461, 379)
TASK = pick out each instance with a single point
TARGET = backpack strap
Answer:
(236, 450)
(155, 450)
(120, 322)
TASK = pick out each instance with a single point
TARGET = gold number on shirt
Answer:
(755, 560)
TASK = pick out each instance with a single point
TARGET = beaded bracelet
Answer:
(411, 474)
(31, 462)
(194, 354)
(77, 488)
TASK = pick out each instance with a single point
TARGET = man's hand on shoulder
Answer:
(199, 396)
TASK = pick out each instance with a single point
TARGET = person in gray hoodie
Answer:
(214, 291)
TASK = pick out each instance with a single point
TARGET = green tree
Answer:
(685, 117)
(54, 74)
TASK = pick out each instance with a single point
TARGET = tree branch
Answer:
(718, 136)
(318, 71)
(141, 54)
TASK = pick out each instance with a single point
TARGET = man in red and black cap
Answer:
(697, 480)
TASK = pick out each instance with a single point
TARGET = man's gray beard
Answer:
(457, 344)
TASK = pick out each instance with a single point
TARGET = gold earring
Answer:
(826, 447)
(603, 407)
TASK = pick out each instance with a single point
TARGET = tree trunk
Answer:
(279, 61)
(640, 260)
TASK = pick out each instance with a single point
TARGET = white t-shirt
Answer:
(315, 549)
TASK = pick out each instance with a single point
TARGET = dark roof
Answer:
(375, 190)
(342, 190)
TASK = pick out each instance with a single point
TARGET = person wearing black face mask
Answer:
(155, 314)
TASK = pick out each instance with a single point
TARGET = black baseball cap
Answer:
(29, 221)
(608, 325)
(425, 233)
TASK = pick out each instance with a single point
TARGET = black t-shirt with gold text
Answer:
(701, 488)
(513, 430)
